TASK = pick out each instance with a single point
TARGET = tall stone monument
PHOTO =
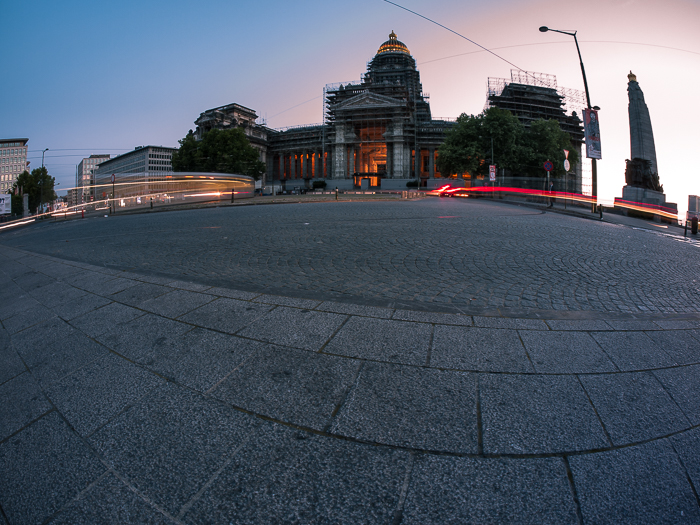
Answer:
(641, 172)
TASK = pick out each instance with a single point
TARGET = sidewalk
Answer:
(129, 398)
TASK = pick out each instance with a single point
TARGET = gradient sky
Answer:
(85, 77)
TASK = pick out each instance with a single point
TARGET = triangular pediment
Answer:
(369, 100)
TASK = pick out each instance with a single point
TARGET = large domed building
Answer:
(377, 133)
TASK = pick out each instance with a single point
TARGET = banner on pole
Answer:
(591, 131)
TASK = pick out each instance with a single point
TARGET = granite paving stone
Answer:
(192, 287)
(10, 363)
(44, 467)
(77, 307)
(687, 445)
(32, 280)
(95, 393)
(578, 325)
(176, 303)
(633, 324)
(679, 345)
(170, 443)
(105, 319)
(109, 502)
(683, 383)
(537, 414)
(382, 340)
(355, 309)
(479, 349)
(293, 327)
(565, 352)
(287, 301)
(55, 349)
(451, 490)
(634, 406)
(632, 350)
(411, 407)
(226, 315)
(139, 294)
(108, 285)
(22, 402)
(207, 358)
(56, 293)
(511, 323)
(290, 476)
(149, 340)
(231, 293)
(27, 318)
(295, 386)
(17, 302)
(431, 317)
(675, 324)
(643, 484)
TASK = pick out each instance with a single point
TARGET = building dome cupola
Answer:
(393, 45)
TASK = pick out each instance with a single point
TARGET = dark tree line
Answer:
(219, 151)
(521, 151)
(38, 185)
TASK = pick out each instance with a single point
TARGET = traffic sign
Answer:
(492, 173)
(112, 178)
(567, 165)
(548, 166)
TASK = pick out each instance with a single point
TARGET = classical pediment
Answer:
(369, 100)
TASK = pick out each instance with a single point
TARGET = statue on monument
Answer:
(638, 173)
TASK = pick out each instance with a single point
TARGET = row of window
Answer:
(12, 152)
(11, 144)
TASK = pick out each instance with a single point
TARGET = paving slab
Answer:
(632, 350)
(565, 352)
(293, 327)
(10, 363)
(93, 394)
(383, 340)
(207, 358)
(289, 476)
(644, 484)
(226, 315)
(493, 490)
(105, 319)
(22, 402)
(687, 446)
(171, 443)
(139, 293)
(80, 306)
(290, 385)
(411, 407)
(683, 384)
(148, 340)
(175, 303)
(679, 345)
(529, 414)
(109, 501)
(634, 407)
(479, 349)
(43, 468)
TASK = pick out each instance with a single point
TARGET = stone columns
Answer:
(417, 161)
(293, 166)
(339, 154)
(431, 162)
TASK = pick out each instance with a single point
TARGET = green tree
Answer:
(545, 141)
(468, 146)
(38, 184)
(219, 151)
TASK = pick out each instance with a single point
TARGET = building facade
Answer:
(154, 163)
(531, 96)
(377, 133)
(86, 177)
(13, 161)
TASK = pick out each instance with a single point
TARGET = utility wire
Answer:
(461, 36)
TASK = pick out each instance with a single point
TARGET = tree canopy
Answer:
(38, 184)
(219, 151)
(520, 150)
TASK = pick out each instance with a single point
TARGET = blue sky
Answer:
(103, 77)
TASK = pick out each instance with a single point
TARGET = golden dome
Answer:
(393, 46)
(632, 77)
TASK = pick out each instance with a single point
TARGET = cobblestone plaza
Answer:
(425, 361)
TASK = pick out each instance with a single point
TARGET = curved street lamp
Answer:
(594, 167)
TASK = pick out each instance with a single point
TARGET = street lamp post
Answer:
(41, 181)
(594, 167)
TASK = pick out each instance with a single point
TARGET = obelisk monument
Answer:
(641, 134)
(641, 172)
